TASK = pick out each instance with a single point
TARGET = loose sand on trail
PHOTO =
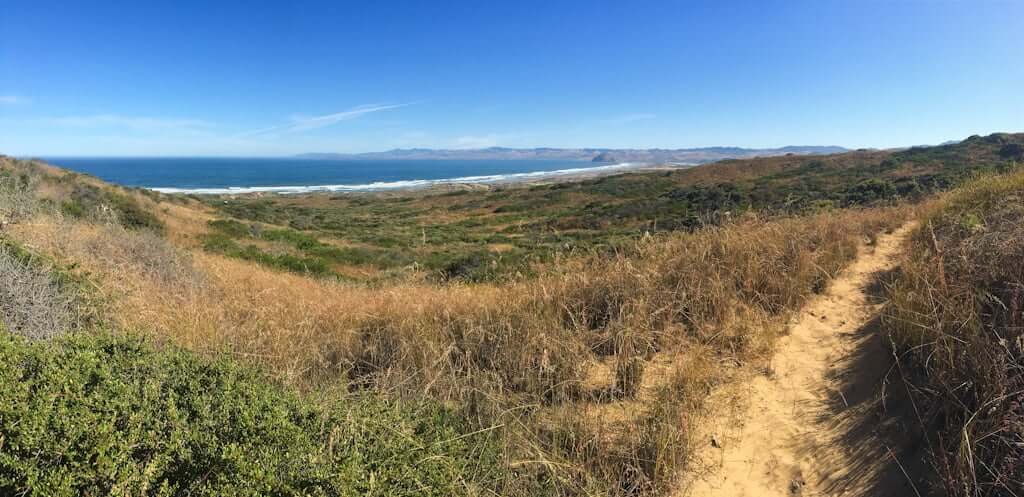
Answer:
(810, 425)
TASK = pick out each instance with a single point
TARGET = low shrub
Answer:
(225, 245)
(103, 415)
(87, 200)
(231, 228)
(32, 302)
(146, 253)
(17, 201)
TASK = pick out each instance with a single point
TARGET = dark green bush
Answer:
(1012, 151)
(296, 238)
(869, 191)
(220, 243)
(73, 209)
(100, 415)
(87, 199)
(230, 227)
(223, 244)
(131, 214)
(288, 262)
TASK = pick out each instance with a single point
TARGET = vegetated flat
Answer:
(502, 232)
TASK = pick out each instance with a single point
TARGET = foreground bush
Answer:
(956, 320)
(98, 415)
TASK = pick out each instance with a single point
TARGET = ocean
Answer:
(295, 175)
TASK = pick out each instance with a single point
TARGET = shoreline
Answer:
(441, 184)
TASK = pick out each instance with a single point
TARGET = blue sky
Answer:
(272, 78)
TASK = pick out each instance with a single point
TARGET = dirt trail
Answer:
(809, 427)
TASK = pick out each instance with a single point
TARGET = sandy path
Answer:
(809, 427)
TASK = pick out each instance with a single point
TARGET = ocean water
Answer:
(294, 175)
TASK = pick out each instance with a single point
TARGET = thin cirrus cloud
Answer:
(130, 122)
(306, 123)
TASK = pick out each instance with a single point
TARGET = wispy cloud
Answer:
(305, 123)
(130, 122)
(14, 100)
(629, 118)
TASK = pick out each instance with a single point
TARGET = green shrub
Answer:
(477, 265)
(99, 415)
(868, 191)
(445, 232)
(73, 209)
(230, 227)
(131, 214)
(87, 199)
(220, 243)
(225, 245)
(296, 238)
(316, 256)
(288, 262)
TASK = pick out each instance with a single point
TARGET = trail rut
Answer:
(810, 426)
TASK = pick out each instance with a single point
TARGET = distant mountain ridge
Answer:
(604, 155)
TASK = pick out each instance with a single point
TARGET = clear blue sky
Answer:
(270, 78)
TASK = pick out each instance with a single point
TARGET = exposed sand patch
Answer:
(809, 426)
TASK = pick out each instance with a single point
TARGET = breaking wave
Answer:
(400, 185)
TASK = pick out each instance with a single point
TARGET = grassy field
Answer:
(502, 234)
(580, 370)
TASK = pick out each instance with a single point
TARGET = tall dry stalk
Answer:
(956, 324)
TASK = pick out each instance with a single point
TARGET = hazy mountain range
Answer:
(606, 155)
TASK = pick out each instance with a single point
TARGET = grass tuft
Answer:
(955, 322)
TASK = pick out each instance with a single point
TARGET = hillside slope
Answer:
(498, 235)
(955, 323)
(587, 373)
(585, 377)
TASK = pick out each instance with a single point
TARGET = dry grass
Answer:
(592, 374)
(32, 303)
(17, 199)
(667, 320)
(955, 320)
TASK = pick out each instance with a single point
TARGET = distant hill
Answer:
(654, 155)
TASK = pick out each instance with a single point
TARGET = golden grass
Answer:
(596, 370)
(955, 323)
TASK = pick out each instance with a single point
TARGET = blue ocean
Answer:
(296, 175)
